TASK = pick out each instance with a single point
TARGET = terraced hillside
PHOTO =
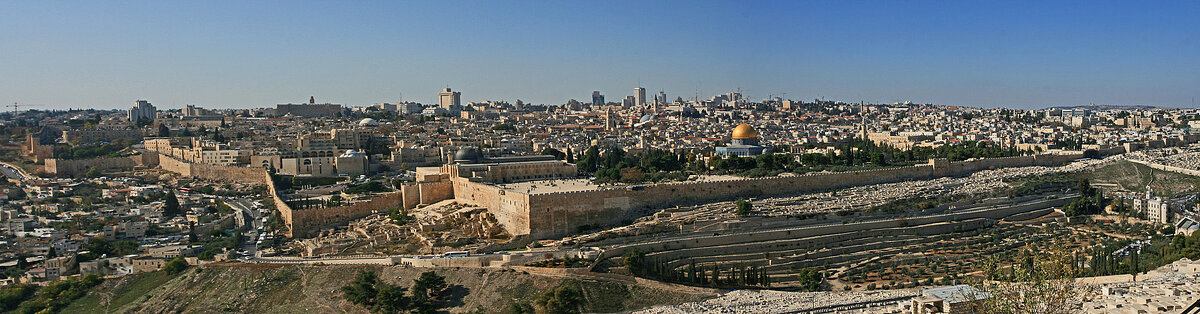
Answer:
(316, 289)
(1126, 176)
(781, 256)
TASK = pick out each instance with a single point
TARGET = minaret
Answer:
(609, 124)
(862, 113)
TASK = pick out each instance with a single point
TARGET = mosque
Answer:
(743, 143)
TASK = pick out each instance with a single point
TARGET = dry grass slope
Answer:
(316, 289)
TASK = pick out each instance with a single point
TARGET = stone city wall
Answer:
(296, 222)
(1162, 167)
(308, 222)
(285, 211)
(412, 195)
(510, 208)
(245, 175)
(547, 215)
(561, 213)
(73, 167)
(434, 192)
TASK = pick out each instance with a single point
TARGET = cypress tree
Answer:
(171, 206)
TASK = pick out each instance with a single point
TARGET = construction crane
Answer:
(17, 107)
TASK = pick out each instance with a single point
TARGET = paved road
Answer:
(13, 172)
(247, 206)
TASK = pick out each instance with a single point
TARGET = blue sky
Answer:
(106, 54)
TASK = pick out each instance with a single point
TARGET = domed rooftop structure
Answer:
(368, 122)
(744, 131)
(354, 153)
(467, 154)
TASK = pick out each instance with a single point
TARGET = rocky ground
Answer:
(978, 183)
(260, 288)
(1187, 158)
(855, 198)
(441, 227)
(768, 301)
(1168, 289)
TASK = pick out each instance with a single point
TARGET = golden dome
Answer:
(744, 131)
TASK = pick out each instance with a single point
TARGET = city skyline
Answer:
(1020, 55)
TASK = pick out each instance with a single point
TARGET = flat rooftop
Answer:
(550, 186)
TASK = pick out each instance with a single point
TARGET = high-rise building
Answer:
(142, 110)
(661, 99)
(639, 95)
(597, 99)
(448, 98)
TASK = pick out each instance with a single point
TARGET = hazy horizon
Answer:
(238, 55)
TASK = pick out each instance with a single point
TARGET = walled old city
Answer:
(772, 205)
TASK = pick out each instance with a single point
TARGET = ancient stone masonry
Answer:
(308, 222)
(303, 222)
(233, 174)
(556, 214)
(73, 167)
(553, 214)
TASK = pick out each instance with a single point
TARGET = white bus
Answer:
(456, 254)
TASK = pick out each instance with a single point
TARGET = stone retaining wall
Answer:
(699, 241)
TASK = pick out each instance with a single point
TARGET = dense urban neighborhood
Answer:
(839, 200)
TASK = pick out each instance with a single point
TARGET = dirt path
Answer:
(583, 274)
